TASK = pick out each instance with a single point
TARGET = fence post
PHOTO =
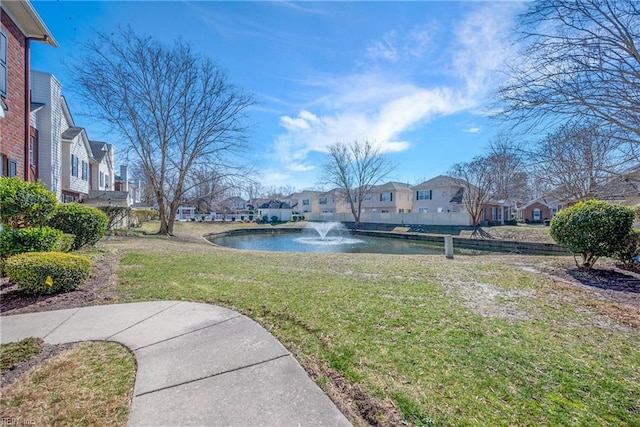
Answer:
(448, 246)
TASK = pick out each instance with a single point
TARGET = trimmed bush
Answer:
(47, 272)
(33, 239)
(629, 249)
(144, 215)
(66, 242)
(25, 204)
(115, 215)
(592, 229)
(88, 224)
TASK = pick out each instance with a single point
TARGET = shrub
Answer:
(87, 223)
(25, 204)
(32, 239)
(144, 215)
(65, 244)
(47, 272)
(630, 248)
(115, 215)
(592, 229)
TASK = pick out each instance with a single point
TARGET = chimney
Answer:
(124, 176)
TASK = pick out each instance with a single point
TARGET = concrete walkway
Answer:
(198, 364)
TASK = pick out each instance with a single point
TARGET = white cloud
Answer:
(382, 107)
(396, 46)
(380, 113)
(481, 45)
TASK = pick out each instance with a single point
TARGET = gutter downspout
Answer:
(27, 106)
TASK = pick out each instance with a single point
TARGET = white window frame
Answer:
(74, 165)
(424, 195)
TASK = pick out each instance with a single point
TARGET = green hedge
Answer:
(629, 248)
(36, 239)
(87, 223)
(65, 244)
(25, 204)
(47, 272)
(592, 229)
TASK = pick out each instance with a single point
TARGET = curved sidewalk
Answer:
(198, 364)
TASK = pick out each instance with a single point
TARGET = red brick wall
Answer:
(545, 212)
(12, 126)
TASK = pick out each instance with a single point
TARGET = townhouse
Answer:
(19, 26)
(68, 163)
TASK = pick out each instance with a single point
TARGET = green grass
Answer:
(473, 341)
(15, 352)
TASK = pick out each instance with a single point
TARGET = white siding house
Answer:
(102, 173)
(46, 92)
(76, 156)
(438, 195)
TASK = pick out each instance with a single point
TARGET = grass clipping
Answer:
(91, 384)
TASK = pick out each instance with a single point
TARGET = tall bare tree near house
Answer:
(206, 186)
(580, 59)
(355, 168)
(476, 179)
(176, 109)
(507, 160)
(577, 158)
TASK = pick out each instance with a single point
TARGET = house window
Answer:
(85, 171)
(537, 214)
(423, 210)
(3, 63)
(386, 197)
(32, 151)
(74, 165)
(494, 213)
(101, 179)
(12, 168)
(424, 195)
(322, 201)
(106, 181)
(305, 202)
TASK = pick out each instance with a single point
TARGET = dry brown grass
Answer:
(91, 384)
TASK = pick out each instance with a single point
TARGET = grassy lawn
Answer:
(88, 385)
(14, 352)
(470, 341)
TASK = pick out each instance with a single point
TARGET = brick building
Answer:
(19, 26)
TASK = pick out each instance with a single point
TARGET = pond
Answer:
(331, 238)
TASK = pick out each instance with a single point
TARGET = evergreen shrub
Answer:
(87, 223)
(593, 229)
(40, 273)
(31, 239)
(25, 204)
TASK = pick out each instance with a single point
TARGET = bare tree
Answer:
(355, 168)
(206, 187)
(477, 181)
(506, 159)
(176, 109)
(580, 59)
(277, 193)
(576, 159)
(253, 191)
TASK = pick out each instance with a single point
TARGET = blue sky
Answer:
(414, 78)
